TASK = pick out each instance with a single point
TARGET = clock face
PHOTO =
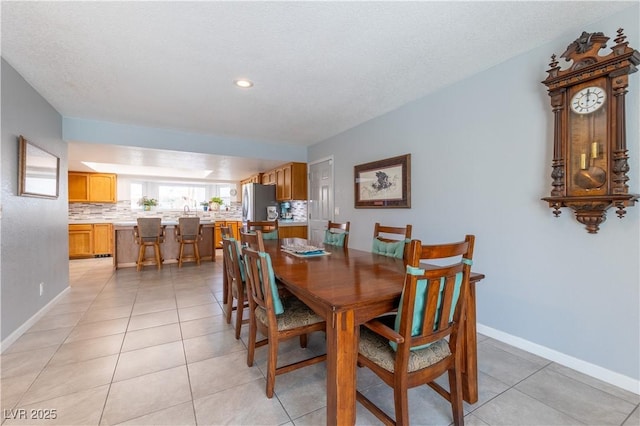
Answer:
(588, 100)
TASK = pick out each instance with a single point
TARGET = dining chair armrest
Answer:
(384, 330)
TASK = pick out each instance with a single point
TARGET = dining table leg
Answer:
(342, 355)
(470, 350)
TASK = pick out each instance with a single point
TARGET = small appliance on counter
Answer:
(272, 212)
(285, 211)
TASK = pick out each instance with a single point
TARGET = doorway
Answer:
(320, 203)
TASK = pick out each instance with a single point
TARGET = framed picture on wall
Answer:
(39, 171)
(384, 183)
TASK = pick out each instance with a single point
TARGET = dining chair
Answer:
(277, 318)
(225, 232)
(269, 228)
(337, 234)
(236, 282)
(149, 232)
(385, 244)
(423, 340)
(188, 232)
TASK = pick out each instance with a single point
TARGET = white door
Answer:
(320, 204)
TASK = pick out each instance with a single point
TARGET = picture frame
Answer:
(384, 183)
(39, 171)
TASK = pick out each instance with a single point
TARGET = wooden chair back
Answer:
(269, 228)
(335, 227)
(252, 239)
(385, 233)
(445, 297)
(427, 341)
(226, 232)
(234, 269)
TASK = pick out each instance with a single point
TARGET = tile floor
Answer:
(152, 348)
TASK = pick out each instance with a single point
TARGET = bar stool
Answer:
(188, 232)
(149, 233)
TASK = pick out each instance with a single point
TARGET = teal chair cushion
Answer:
(277, 303)
(273, 235)
(334, 238)
(418, 310)
(390, 249)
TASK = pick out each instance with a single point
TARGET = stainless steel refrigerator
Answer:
(255, 199)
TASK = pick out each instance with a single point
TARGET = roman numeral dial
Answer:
(588, 100)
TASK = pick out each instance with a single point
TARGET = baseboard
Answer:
(30, 322)
(600, 373)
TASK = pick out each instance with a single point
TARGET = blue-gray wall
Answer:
(481, 160)
(33, 231)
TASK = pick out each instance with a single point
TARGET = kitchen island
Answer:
(126, 249)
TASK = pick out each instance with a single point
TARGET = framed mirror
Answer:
(39, 171)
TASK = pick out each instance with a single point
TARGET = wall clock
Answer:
(589, 168)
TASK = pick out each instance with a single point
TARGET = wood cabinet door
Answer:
(102, 188)
(80, 241)
(78, 187)
(102, 238)
(217, 235)
(292, 231)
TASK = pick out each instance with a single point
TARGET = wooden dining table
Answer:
(348, 287)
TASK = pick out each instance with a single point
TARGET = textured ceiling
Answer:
(319, 68)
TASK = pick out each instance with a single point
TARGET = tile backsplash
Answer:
(121, 211)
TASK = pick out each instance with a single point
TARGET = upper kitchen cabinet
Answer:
(291, 182)
(92, 187)
(269, 178)
(257, 178)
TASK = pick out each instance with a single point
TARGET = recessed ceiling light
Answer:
(243, 82)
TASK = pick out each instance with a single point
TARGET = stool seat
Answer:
(149, 233)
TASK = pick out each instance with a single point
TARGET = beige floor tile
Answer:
(21, 363)
(515, 408)
(302, 391)
(51, 322)
(55, 381)
(38, 340)
(154, 319)
(199, 311)
(196, 300)
(146, 394)
(576, 399)
(151, 336)
(633, 419)
(149, 360)
(94, 315)
(502, 365)
(202, 326)
(150, 307)
(210, 345)
(80, 408)
(98, 329)
(67, 308)
(215, 374)
(12, 389)
(82, 350)
(181, 414)
(240, 405)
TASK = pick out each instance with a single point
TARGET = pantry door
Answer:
(320, 203)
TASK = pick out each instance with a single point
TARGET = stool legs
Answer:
(196, 253)
(157, 254)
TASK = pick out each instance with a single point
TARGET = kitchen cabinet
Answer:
(217, 235)
(257, 178)
(88, 240)
(269, 178)
(80, 241)
(293, 231)
(102, 239)
(291, 182)
(92, 187)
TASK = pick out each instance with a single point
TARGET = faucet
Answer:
(186, 210)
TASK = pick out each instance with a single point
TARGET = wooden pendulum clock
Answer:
(590, 166)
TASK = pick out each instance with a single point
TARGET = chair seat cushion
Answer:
(377, 349)
(334, 238)
(296, 314)
(390, 249)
